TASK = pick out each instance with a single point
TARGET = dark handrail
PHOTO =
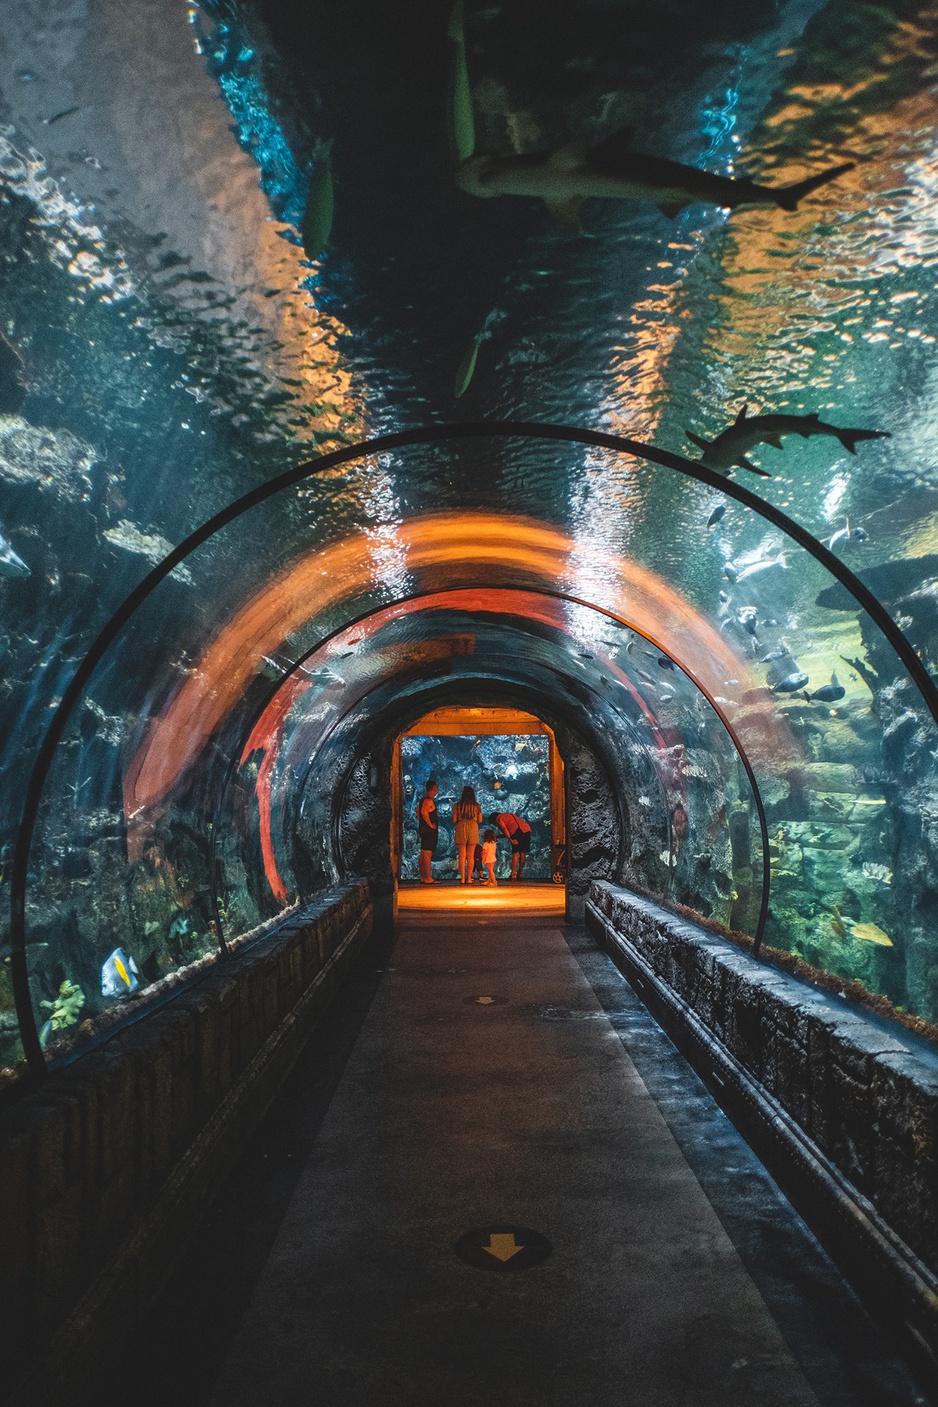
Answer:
(402, 439)
(569, 599)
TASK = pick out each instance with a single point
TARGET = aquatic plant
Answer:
(64, 1010)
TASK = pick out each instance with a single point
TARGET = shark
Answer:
(612, 169)
(728, 451)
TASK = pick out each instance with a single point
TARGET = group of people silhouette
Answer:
(476, 854)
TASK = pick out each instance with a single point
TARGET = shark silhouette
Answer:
(566, 177)
(729, 449)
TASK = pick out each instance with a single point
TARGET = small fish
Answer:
(461, 115)
(830, 693)
(58, 116)
(779, 653)
(466, 369)
(741, 573)
(666, 698)
(664, 662)
(724, 597)
(748, 618)
(10, 564)
(119, 975)
(870, 933)
(729, 449)
(716, 515)
(646, 677)
(316, 225)
(791, 683)
(837, 923)
(845, 536)
(611, 169)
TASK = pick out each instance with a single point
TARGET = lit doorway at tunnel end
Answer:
(510, 760)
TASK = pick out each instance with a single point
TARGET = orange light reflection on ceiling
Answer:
(268, 742)
(498, 601)
(440, 550)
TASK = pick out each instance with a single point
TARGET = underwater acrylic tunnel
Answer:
(666, 589)
(504, 606)
(189, 733)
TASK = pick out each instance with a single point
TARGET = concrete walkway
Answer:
(501, 1116)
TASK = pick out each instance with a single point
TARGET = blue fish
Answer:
(119, 975)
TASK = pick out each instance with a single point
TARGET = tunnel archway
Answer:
(363, 717)
(205, 727)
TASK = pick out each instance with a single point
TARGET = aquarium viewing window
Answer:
(509, 758)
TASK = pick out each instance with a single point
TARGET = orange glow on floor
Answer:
(477, 900)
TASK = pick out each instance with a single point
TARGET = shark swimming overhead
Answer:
(612, 170)
(729, 449)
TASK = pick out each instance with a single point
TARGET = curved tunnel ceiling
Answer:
(168, 345)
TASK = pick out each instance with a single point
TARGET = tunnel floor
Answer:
(425, 901)
(477, 1082)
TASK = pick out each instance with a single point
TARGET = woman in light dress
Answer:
(467, 813)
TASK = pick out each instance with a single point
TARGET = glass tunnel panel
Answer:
(538, 643)
(152, 842)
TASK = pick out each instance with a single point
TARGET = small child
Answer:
(488, 856)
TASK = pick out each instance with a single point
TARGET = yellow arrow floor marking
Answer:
(502, 1245)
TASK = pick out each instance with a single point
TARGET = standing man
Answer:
(518, 832)
(428, 830)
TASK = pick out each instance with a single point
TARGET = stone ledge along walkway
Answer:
(489, 1097)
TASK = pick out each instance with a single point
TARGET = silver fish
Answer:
(846, 536)
(767, 562)
(791, 683)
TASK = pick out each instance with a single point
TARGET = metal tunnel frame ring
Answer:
(428, 434)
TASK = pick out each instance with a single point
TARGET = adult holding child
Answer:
(467, 813)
